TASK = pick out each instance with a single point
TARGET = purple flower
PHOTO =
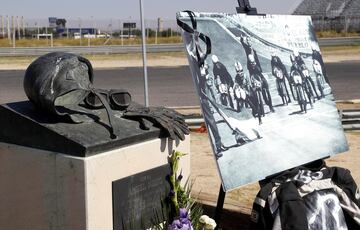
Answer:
(183, 213)
(183, 223)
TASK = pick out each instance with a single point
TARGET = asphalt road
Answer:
(173, 86)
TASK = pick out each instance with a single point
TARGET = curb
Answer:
(353, 101)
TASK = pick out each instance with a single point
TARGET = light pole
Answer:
(8, 29)
(23, 26)
(122, 33)
(14, 30)
(18, 27)
(143, 38)
(111, 28)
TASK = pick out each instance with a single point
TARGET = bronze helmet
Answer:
(57, 80)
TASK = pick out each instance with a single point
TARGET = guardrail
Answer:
(339, 41)
(117, 49)
(114, 49)
(350, 120)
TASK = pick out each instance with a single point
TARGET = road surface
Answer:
(173, 86)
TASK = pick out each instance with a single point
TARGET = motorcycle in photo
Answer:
(309, 85)
(320, 80)
(223, 90)
(258, 95)
(281, 86)
(299, 89)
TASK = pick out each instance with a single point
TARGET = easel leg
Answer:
(219, 205)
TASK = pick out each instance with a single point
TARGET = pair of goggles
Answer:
(117, 99)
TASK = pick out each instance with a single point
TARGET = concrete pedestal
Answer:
(46, 189)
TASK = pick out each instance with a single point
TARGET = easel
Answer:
(244, 7)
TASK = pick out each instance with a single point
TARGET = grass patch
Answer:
(26, 60)
(340, 48)
(134, 56)
(355, 133)
(333, 33)
(4, 42)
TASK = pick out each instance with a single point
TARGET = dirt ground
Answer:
(238, 203)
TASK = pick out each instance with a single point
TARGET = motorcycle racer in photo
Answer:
(256, 72)
(309, 83)
(320, 81)
(201, 82)
(316, 55)
(246, 43)
(241, 88)
(280, 73)
(224, 82)
(209, 81)
(299, 84)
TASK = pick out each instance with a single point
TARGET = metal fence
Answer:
(347, 24)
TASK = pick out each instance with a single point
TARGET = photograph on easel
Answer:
(264, 93)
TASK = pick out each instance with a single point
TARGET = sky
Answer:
(128, 9)
(111, 14)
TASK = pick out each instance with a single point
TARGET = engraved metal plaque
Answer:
(136, 198)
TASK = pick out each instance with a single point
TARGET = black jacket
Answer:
(250, 50)
(307, 198)
(220, 70)
(276, 62)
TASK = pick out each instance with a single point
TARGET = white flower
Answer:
(203, 219)
(209, 224)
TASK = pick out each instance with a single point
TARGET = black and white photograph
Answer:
(264, 93)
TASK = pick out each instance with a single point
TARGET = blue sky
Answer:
(126, 9)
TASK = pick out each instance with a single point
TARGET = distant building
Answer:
(339, 15)
(52, 22)
(58, 23)
(63, 32)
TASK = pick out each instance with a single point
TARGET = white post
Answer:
(143, 38)
(8, 29)
(23, 26)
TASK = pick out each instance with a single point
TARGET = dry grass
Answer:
(352, 48)
(103, 57)
(333, 33)
(86, 42)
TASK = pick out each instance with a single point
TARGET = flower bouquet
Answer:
(179, 210)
